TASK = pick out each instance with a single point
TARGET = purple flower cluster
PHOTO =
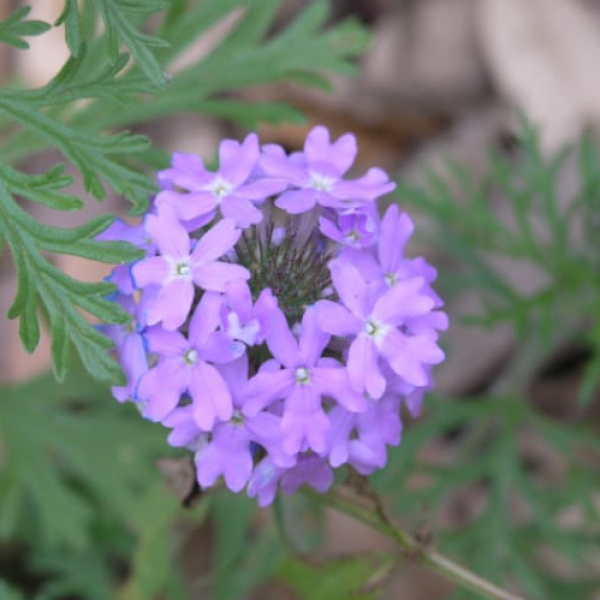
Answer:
(277, 326)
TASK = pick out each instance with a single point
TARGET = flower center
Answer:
(220, 188)
(320, 182)
(302, 376)
(376, 331)
(183, 269)
(390, 279)
(292, 263)
(237, 418)
(190, 357)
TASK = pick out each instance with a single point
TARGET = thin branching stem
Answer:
(413, 548)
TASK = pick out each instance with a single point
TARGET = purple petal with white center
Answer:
(336, 319)
(214, 276)
(210, 395)
(216, 242)
(363, 367)
(150, 271)
(237, 161)
(295, 202)
(170, 236)
(266, 387)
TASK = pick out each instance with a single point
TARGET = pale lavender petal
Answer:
(281, 167)
(312, 470)
(236, 161)
(219, 348)
(402, 300)
(265, 387)
(172, 304)
(170, 236)
(342, 424)
(188, 206)
(312, 339)
(150, 271)
(210, 395)
(160, 388)
(363, 369)
(351, 288)
(304, 421)
(335, 383)
(336, 319)
(239, 299)
(206, 318)
(261, 189)
(409, 355)
(281, 341)
(263, 482)
(317, 147)
(344, 152)
(395, 233)
(216, 242)
(295, 202)
(215, 276)
(166, 343)
(241, 211)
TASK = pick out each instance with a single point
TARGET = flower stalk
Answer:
(412, 548)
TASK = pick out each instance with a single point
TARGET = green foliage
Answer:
(13, 29)
(121, 90)
(521, 513)
(556, 236)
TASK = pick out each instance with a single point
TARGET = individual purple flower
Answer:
(310, 469)
(185, 366)
(194, 191)
(354, 229)
(320, 179)
(361, 438)
(375, 323)
(121, 231)
(130, 348)
(229, 449)
(176, 269)
(241, 319)
(303, 382)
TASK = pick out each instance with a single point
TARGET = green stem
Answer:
(415, 549)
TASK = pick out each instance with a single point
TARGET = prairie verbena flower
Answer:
(277, 326)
